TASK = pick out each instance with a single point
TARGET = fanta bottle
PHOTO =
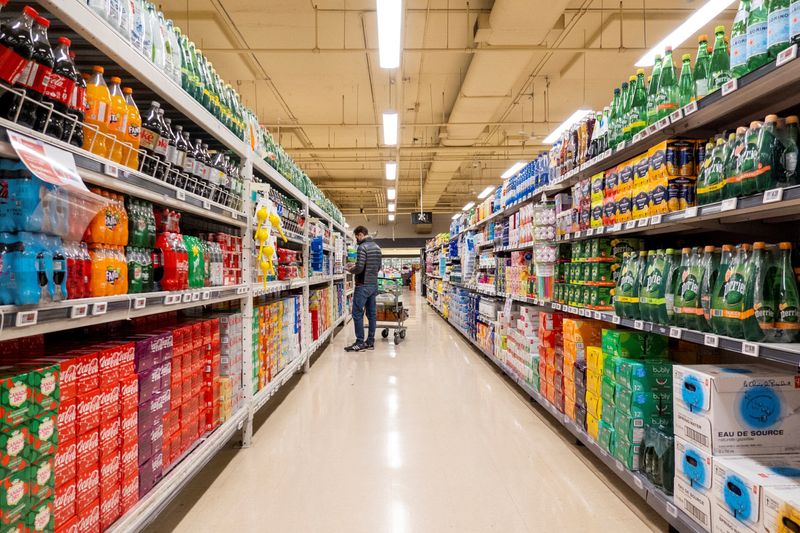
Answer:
(122, 237)
(98, 285)
(118, 122)
(131, 155)
(122, 269)
(97, 113)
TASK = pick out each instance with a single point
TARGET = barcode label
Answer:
(729, 87)
(696, 513)
(711, 340)
(751, 349)
(696, 436)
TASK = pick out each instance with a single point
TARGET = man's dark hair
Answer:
(361, 230)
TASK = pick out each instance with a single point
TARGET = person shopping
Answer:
(365, 269)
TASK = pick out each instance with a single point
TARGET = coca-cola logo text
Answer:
(67, 413)
(89, 443)
(89, 481)
(66, 455)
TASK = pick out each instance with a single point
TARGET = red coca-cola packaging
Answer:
(129, 461)
(67, 378)
(110, 504)
(129, 493)
(127, 358)
(87, 372)
(109, 402)
(88, 450)
(129, 393)
(172, 422)
(65, 466)
(186, 388)
(176, 394)
(110, 468)
(107, 365)
(129, 428)
(42, 480)
(109, 436)
(87, 484)
(65, 503)
(176, 371)
(89, 517)
(88, 411)
(66, 422)
(70, 525)
(175, 447)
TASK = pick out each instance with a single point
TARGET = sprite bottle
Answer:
(652, 92)
(720, 69)
(702, 67)
(787, 325)
(686, 87)
(757, 54)
(739, 40)
(667, 96)
(777, 27)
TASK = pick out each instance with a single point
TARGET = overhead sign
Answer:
(423, 217)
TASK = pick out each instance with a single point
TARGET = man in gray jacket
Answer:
(366, 270)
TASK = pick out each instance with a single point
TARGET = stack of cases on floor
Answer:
(29, 403)
(579, 336)
(522, 344)
(276, 338)
(737, 453)
(635, 392)
(230, 371)
(551, 353)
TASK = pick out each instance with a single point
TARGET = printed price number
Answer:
(675, 333)
(730, 86)
(79, 311)
(100, 308)
(615, 319)
(27, 318)
(111, 170)
(750, 348)
(773, 195)
(711, 340)
(642, 222)
(638, 324)
(631, 224)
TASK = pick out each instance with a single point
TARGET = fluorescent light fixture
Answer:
(390, 24)
(516, 167)
(391, 217)
(486, 192)
(573, 118)
(468, 206)
(690, 27)
(456, 216)
(391, 207)
(391, 171)
(391, 193)
(390, 129)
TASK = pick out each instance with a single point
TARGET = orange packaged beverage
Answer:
(122, 267)
(97, 113)
(96, 232)
(118, 121)
(134, 130)
(123, 221)
(98, 285)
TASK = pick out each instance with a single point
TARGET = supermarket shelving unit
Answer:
(91, 33)
(766, 90)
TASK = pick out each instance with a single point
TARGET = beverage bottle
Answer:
(667, 96)
(678, 317)
(612, 120)
(790, 151)
(622, 112)
(198, 79)
(638, 266)
(188, 165)
(118, 122)
(719, 322)
(749, 162)
(199, 169)
(787, 326)
(187, 63)
(169, 63)
(36, 77)
(171, 176)
(777, 27)
(710, 265)
(794, 21)
(710, 190)
(648, 284)
(638, 116)
(719, 67)
(702, 66)
(138, 22)
(652, 91)
(733, 297)
(739, 40)
(136, 223)
(179, 157)
(770, 152)
(97, 114)
(666, 314)
(158, 48)
(17, 41)
(758, 314)
(686, 86)
(205, 82)
(58, 91)
(73, 129)
(130, 155)
(688, 296)
(628, 110)
(757, 54)
(150, 140)
(182, 262)
(208, 187)
(733, 178)
(218, 176)
(134, 271)
(99, 283)
(173, 36)
(168, 281)
(126, 12)
(100, 7)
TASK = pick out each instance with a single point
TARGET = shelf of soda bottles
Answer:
(186, 467)
(22, 321)
(769, 89)
(655, 497)
(264, 169)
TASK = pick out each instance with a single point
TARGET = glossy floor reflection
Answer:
(421, 437)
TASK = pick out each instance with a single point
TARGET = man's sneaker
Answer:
(356, 347)
(369, 345)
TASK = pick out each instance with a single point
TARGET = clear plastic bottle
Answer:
(175, 51)
(139, 28)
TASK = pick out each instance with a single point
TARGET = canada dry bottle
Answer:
(787, 324)
(739, 40)
(702, 65)
(720, 69)
(757, 54)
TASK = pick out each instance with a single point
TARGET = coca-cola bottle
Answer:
(16, 51)
(180, 156)
(188, 164)
(171, 176)
(37, 75)
(59, 90)
(149, 138)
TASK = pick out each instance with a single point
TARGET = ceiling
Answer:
(481, 82)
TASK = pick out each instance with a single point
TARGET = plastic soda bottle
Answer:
(118, 121)
(739, 40)
(710, 265)
(758, 316)
(686, 87)
(652, 92)
(17, 49)
(638, 115)
(787, 325)
(757, 54)
(667, 96)
(702, 66)
(720, 67)
(130, 156)
(97, 114)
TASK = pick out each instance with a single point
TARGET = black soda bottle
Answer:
(59, 89)
(149, 138)
(41, 68)
(16, 51)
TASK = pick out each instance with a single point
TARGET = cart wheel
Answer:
(397, 338)
(385, 334)
(402, 334)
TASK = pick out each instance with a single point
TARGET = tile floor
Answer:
(422, 437)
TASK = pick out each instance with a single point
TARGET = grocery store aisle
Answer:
(421, 437)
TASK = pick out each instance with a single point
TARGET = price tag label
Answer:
(111, 170)
(642, 222)
(621, 146)
(651, 129)
(596, 315)
(234, 215)
(600, 230)
(100, 308)
(79, 311)
(615, 319)
(729, 204)
(663, 123)
(206, 205)
(786, 56)
(27, 318)
(750, 348)
(690, 212)
(773, 195)
(689, 108)
(169, 300)
(672, 510)
(676, 116)
(638, 136)
(186, 297)
(557, 307)
(655, 220)
(607, 154)
(675, 333)
(617, 227)
(730, 86)
(590, 232)
(180, 194)
(638, 324)
(139, 302)
(638, 482)
(631, 224)
(618, 464)
(195, 296)
(711, 340)
(578, 234)
(241, 290)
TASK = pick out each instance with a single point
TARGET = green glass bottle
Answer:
(205, 82)
(787, 325)
(621, 113)
(686, 87)
(710, 266)
(719, 322)
(612, 120)
(733, 178)
(667, 96)
(702, 67)
(759, 309)
(701, 188)
(665, 315)
(627, 111)
(715, 173)
(790, 153)
(720, 69)
(652, 92)
(757, 54)
(196, 82)
(777, 27)
(739, 40)
(638, 115)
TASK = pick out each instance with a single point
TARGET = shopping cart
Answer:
(390, 298)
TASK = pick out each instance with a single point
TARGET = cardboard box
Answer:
(129, 393)
(693, 466)
(109, 436)
(129, 428)
(87, 451)
(15, 398)
(42, 480)
(87, 485)
(42, 436)
(41, 516)
(65, 463)
(110, 468)
(644, 375)
(781, 510)
(89, 518)
(67, 420)
(45, 392)
(107, 366)
(64, 501)
(737, 409)
(129, 461)
(110, 507)
(696, 505)
(14, 491)
(86, 372)
(643, 404)
(14, 444)
(634, 344)
(109, 402)
(88, 411)
(129, 493)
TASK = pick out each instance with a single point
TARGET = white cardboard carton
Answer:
(781, 510)
(693, 466)
(695, 504)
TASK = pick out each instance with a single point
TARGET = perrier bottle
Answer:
(667, 96)
(638, 114)
(686, 88)
(720, 62)
(787, 325)
(652, 92)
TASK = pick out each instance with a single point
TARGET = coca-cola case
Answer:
(65, 497)
(65, 466)
(89, 518)
(88, 488)
(109, 435)
(129, 428)
(107, 365)
(129, 493)
(87, 451)
(129, 461)
(88, 411)
(67, 418)
(110, 469)
(70, 525)
(129, 393)
(42, 480)
(110, 505)
(109, 402)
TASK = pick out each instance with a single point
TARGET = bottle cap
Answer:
(686, 250)
(670, 251)
(667, 49)
(771, 118)
(732, 136)
(127, 90)
(28, 10)
(741, 130)
(702, 38)
(65, 41)
(720, 141)
(755, 125)
(727, 247)
(686, 57)
(719, 29)
(98, 68)
(41, 21)
(709, 249)
(632, 78)
(155, 104)
(115, 79)
(640, 72)
(792, 119)
(759, 245)
(745, 246)
(785, 245)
